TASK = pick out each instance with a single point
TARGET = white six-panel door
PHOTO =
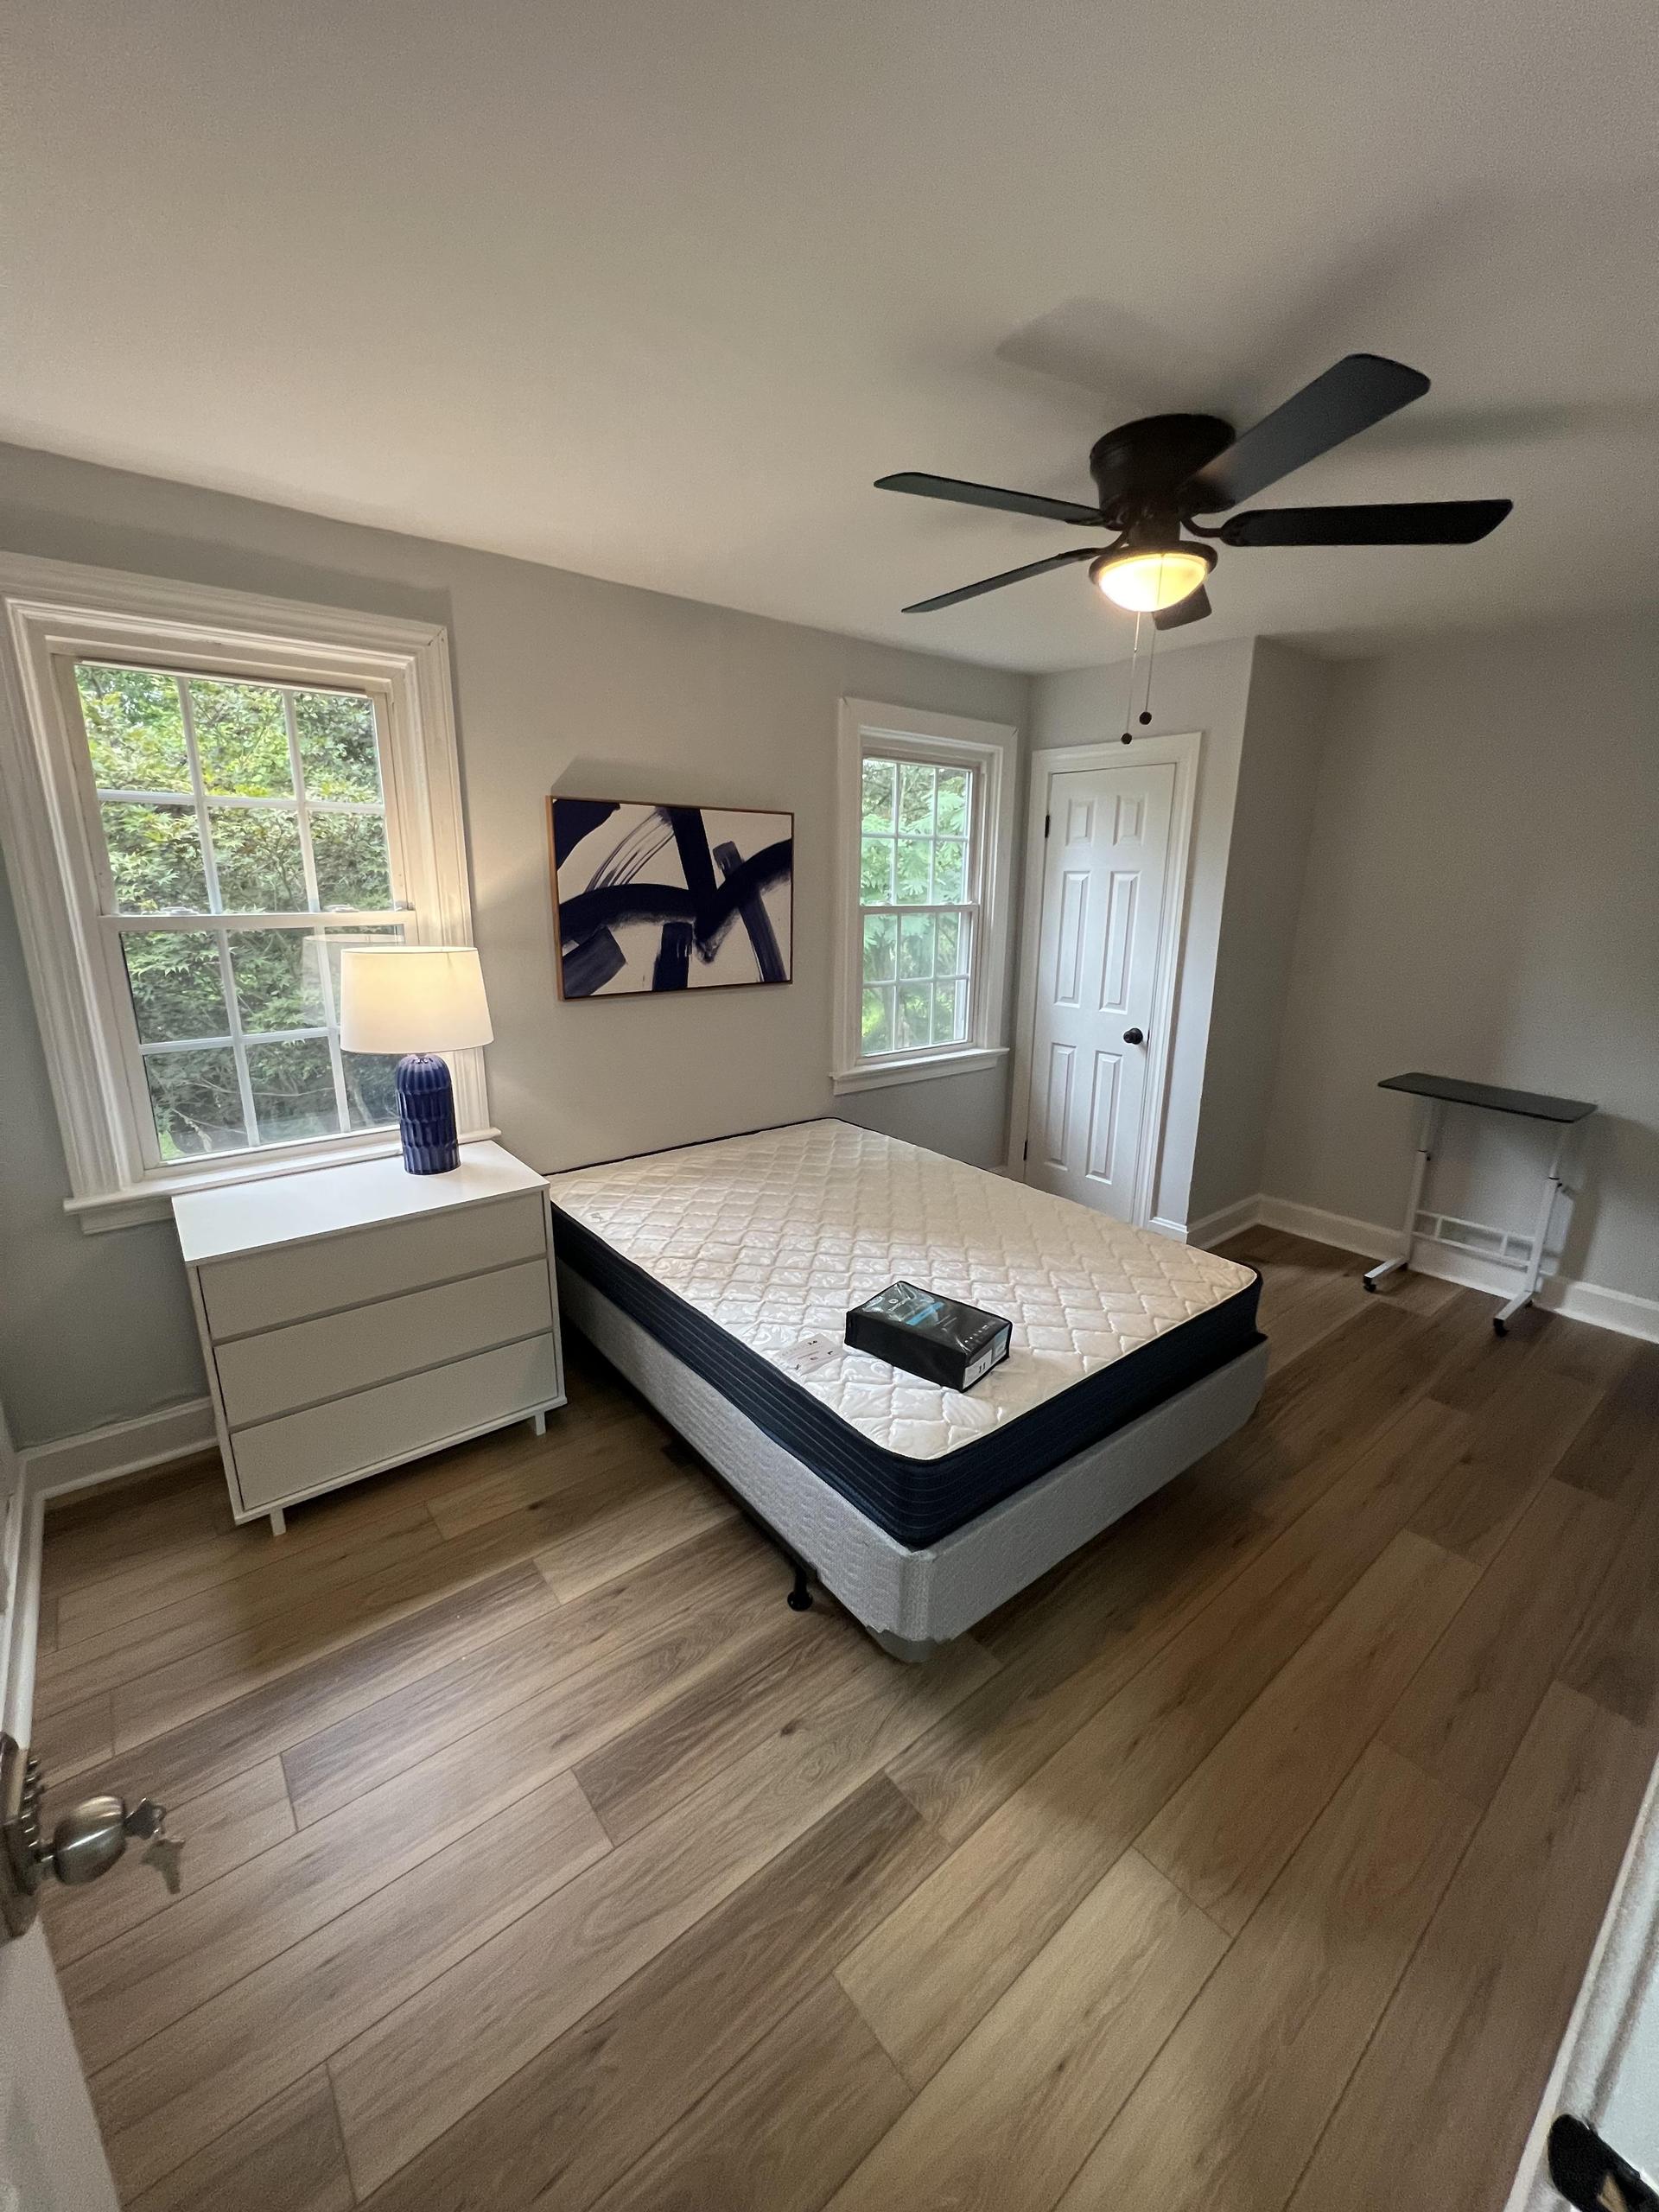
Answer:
(1105, 862)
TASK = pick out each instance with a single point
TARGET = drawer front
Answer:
(285, 1368)
(291, 1283)
(304, 1452)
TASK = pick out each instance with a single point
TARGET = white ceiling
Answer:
(654, 289)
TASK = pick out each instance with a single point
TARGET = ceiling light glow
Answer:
(1146, 583)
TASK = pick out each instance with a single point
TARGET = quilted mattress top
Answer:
(774, 1236)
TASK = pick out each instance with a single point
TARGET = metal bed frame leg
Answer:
(799, 1596)
(1506, 1313)
(1427, 1130)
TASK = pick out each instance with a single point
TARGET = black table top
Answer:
(1537, 1105)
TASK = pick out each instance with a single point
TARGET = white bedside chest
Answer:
(357, 1316)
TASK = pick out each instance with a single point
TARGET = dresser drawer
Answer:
(285, 1368)
(305, 1451)
(290, 1282)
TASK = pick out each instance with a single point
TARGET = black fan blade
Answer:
(1008, 576)
(1360, 389)
(1192, 609)
(988, 495)
(1422, 522)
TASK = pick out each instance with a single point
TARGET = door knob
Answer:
(92, 1836)
(85, 1843)
(1134, 1037)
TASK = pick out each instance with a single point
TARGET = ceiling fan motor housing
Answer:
(1140, 468)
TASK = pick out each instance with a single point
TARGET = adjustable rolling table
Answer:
(1437, 1092)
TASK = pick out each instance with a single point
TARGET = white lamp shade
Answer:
(413, 998)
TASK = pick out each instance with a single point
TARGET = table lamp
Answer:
(418, 1000)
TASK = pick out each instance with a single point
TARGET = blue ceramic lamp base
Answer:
(426, 1114)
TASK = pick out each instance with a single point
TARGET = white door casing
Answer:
(1110, 830)
(51, 2156)
(50, 2152)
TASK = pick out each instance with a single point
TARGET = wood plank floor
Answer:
(538, 1855)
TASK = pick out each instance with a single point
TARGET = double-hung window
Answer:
(207, 798)
(926, 838)
(241, 846)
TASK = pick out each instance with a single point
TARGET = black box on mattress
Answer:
(916, 1501)
(927, 1334)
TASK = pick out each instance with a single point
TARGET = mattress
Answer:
(742, 1257)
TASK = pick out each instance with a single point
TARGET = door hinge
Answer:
(1025, 1149)
(1047, 818)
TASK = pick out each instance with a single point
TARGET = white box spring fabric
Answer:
(911, 1599)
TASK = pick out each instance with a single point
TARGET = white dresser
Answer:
(357, 1316)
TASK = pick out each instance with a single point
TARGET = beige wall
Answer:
(1483, 899)
(562, 681)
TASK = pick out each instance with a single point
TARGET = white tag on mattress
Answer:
(810, 1353)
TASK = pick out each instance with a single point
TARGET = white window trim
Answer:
(54, 610)
(866, 725)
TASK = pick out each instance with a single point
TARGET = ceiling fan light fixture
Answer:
(1153, 477)
(1145, 581)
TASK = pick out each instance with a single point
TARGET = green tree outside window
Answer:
(916, 830)
(239, 1026)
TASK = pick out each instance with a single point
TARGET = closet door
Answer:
(1105, 858)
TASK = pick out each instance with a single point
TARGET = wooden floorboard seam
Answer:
(1296, 2179)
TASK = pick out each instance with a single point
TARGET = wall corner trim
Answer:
(125, 1447)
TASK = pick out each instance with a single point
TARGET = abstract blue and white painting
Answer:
(670, 898)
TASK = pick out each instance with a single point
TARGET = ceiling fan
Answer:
(1155, 477)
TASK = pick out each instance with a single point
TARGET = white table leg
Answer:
(1507, 1313)
(538, 1422)
(279, 1521)
(1428, 1128)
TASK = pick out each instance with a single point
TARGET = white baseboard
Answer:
(1605, 1309)
(1602, 1308)
(1325, 1228)
(1212, 1229)
(125, 1447)
(1178, 1229)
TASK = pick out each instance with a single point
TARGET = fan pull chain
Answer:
(1152, 662)
(1135, 657)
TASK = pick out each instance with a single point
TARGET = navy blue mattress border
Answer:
(916, 1501)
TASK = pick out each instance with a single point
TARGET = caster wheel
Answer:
(1500, 1328)
(1368, 1286)
(799, 1601)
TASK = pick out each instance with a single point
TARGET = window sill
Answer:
(917, 1067)
(152, 1200)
